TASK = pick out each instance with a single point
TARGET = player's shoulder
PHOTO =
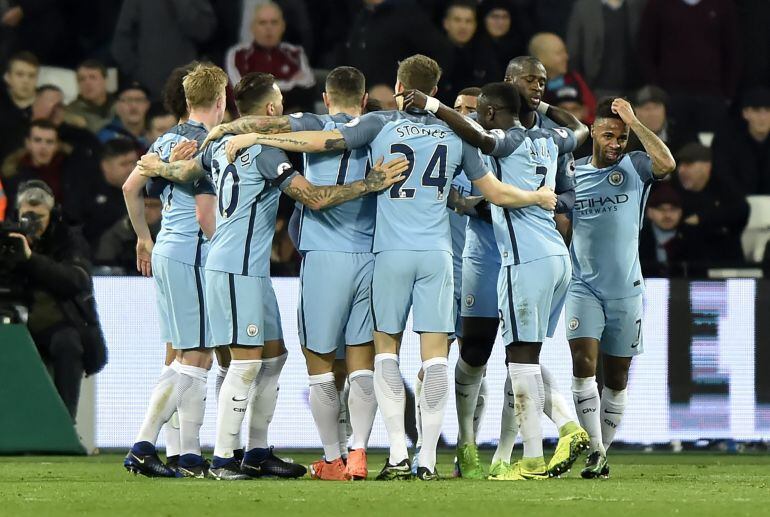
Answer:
(584, 161)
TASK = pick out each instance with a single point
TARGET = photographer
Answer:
(48, 265)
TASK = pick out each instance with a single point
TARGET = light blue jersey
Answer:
(458, 223)
(180, 237)
(248, 192)
(565, 165)
(412, 215)
(527, 160)
(606, 222)
(347, 227)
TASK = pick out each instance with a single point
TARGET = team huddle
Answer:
(476, 219)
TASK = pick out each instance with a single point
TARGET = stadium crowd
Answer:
(697, 72)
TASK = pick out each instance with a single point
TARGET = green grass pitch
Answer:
(654, 485)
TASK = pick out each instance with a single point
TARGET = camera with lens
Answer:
(13, 295)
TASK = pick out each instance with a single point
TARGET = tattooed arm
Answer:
(184, 171)
(299, 142)
(250, 124)
(380, 177)
(662, 161)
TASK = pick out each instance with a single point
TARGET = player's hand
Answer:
(22, 238)
(144, 256)
(183, 151)
(215, 134)
(149, 164)
(237, 143)
(382, 176)
(623, 109)
(413, 99)
(546, 198)
(468, 205)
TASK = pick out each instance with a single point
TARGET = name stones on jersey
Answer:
(410, 130)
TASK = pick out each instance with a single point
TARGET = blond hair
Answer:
(203, 85)
(419, 72)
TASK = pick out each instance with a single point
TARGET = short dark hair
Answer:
(117, 147)
(471, 91)
(419, 72)
(42, 124)
(604, 109)
(518, 63)
(346, 85)
(93, 64)
(157, 110)
(46, 87)
(461, 4)
(173, 91)
(502, 95)
(24, 57)
(252, 90)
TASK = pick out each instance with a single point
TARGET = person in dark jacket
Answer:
(386, 31)
(650, 104)
(54, 270)
(742, 150)
(662, 245)
(713, 213)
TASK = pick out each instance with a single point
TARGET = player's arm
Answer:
(464, 205)
(566, 119)
(509, 196)
(184, 171)
(205, 204)
(132, 194)
(250, 124)
(662, 161)
(299, 142)
(465, 128)
(379, 177)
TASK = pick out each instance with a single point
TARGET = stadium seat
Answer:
(757, 232)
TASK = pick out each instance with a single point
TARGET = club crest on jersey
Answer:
(252, 330)
(470, 300)
(616, 178)
(573, 324)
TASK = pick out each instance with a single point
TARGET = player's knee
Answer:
(475, 351)
(583, 364)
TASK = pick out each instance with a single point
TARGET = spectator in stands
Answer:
(151, 38)
(49, 105)
(117, 245)
(742, 151)
(504, 30)
(547, 15)
(95, 106)
(650, 107)
(568, 97)
(41, 158)
(99, 204)
(551, 51)
(129, 122)
(34, 26)
(16, 100)
(267, 52)
(385, 31)
(383, 94)
(159, 120)
(602, 40)
(55, 271)
(472, 59)
(662, 245)
(688, 48)
(713, 213)
(753, 21)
